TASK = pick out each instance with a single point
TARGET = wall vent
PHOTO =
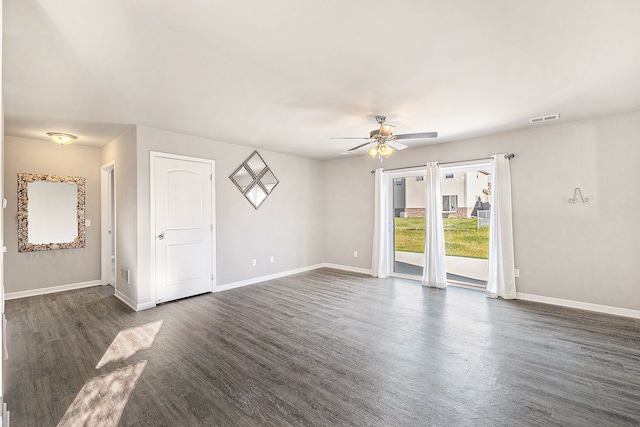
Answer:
(544, 118)
(125, 274)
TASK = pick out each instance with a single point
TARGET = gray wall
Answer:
(323, 211)
(36, 270)
(288, 225)
(581, 252)
(123, 151)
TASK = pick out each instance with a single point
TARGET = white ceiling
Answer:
(287, 75)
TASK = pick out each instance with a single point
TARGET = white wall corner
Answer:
(145, 305)
(125, 299)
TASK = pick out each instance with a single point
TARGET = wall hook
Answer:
(577, 192)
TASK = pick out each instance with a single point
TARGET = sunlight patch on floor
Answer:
(129, 342)
(102, 399)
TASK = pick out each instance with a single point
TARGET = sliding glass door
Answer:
(466, 212)
(409, 224)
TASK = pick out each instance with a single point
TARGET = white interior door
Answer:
(183, 228)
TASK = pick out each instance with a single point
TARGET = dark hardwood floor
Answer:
(330, 348)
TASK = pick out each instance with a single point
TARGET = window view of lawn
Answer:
(461, 237)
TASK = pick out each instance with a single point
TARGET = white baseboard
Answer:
(348, 268)
(52, 289)
(132, 304)
(260, 279)
(581, 305)
(145, 306)
(125, 299)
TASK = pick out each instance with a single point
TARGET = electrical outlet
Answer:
(271, 259)
(516, 272)
(254, 262)
(355, 254)
(87, 223)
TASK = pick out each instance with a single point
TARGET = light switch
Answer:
(87, 223)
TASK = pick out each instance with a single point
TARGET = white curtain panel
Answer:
(380, 264)
(501, 280)
(435, 273)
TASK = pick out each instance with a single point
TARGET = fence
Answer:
(484, 218)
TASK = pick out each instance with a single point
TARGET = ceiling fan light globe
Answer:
(372, 152)
(390, 152)
(383, 149)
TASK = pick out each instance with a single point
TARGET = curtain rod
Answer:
(506, 156)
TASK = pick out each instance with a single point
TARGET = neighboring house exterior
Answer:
(460, 192)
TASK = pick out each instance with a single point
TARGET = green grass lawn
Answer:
(461, 238)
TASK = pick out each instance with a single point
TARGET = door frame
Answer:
(105, 215)
(153, 155)
(470, 166)
(391, 175)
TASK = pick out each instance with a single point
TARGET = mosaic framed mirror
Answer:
(254, 179)
(51, 212)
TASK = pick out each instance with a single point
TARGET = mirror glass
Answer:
(50, 212)
(269, 181)
(242, 178)
(254, 179)
(256, 195)
(255, 164)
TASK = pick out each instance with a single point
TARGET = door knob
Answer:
(160, 236)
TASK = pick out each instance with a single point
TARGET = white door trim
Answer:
(105, 237)
(152, 220)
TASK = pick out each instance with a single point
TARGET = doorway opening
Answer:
(466, 211)
(108, 223)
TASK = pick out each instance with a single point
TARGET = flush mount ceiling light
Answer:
(62, 138)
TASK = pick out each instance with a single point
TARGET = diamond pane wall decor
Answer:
(254, 179)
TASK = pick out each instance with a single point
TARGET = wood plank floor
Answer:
(331, 348)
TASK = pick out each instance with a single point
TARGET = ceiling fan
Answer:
(385, 142)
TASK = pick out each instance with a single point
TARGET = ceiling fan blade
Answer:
(417, 135)
(396, 145)
(361, 145)
(350, 137)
